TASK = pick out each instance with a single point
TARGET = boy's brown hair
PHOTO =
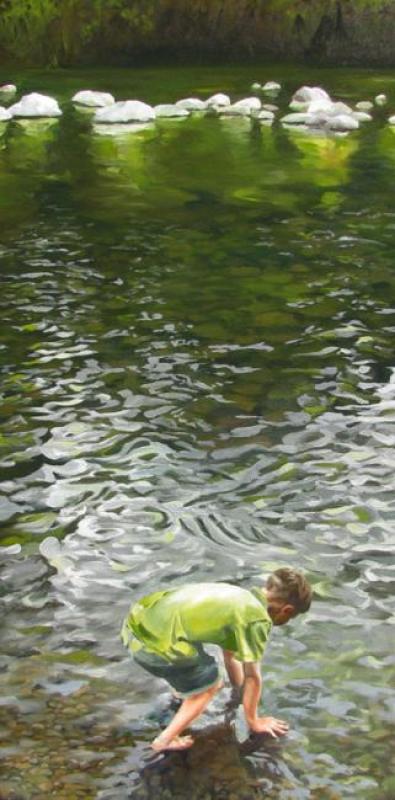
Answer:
(292, 587)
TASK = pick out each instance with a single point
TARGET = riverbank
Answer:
(341, 32)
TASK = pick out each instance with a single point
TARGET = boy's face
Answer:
(279, 612)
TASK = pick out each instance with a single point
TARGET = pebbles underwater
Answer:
(197, 383)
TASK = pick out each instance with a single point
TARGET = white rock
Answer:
(320, 107)
(93, 99)
(264, 113)
(8, 88)
(243, 108)
(218, 101)
(271, 87)
(364, 105)
(328, 108)
(305, 95)
(362, 116)
(4, 114)
(380, 100)
(192, 104)
(269, 107)
(264, 116)
(343, 122)
(255, 87)
(125, 111)
(323, 111)
(170, 110)
(392, 120)
(297, 118)
(35, 105)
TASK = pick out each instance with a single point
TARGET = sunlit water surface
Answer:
(197, 335)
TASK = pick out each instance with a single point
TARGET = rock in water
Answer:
(380, 100)
(93, 99)
(362, 116)
(342, 122)
(305, 95)
(191, 104)
(4, 114)
(125, 111)
(35, 105)
(264, 116)
(271, 87)
(242, 108)
(8, 88)
(218, 101)
(170, 111)
(297, 118)
(364, 105)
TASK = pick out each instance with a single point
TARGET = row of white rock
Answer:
(312, 107)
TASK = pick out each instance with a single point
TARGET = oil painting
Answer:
(197, 399)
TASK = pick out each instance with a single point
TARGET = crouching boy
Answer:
(166, 631)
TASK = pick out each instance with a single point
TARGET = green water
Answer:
(196, 383)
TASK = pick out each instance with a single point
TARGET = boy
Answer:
(165, 632)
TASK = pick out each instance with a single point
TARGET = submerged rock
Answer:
(256, 87)
(192, 104)
(122, 129)
(380, 99)
(93, 99)
(35, 105)
(125, 111)
(170, 111)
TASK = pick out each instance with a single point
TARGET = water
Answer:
(197, 383)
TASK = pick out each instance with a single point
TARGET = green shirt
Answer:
(169, 622)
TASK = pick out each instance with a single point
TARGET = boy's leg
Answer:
(234, 669)
(190, 710)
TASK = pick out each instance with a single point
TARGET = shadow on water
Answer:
(217, 766)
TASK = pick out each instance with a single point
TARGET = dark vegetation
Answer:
(70, 32)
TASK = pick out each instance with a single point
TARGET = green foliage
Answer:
(67, 31)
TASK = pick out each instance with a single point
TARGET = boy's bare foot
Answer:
(178, 743)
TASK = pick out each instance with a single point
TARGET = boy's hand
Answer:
(274, 727)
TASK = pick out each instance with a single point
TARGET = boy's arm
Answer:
(251, 696)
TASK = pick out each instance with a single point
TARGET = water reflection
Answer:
(197, 383)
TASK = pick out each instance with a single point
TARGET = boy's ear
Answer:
(290, 609)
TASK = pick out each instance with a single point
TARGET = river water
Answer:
(197, 335)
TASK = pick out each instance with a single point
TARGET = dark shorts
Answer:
(187, 676)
